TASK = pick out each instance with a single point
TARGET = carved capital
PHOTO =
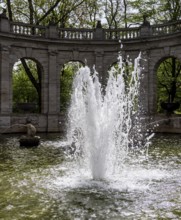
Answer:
(5, 48)
(99, 53)
(52, 52)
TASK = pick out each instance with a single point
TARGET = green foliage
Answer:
(85, 13)
(170, 10)
(66, 80)
(128, 67)
(23, 89)
(168, 82)
(143, 7)
(66, 13)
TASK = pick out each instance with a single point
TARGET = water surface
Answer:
(44, 183)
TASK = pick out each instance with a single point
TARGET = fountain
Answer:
(107, 173)
(103, 124)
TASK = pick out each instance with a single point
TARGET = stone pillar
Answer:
(145, 28)
(5, 81)
(4, 22)
(99, 57)
(52, 31)
(144, 83)
(53, 93)
(99, 33)
(5, 78)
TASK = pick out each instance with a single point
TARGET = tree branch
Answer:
(31, 9)
(9, 10)
(48, 12)
(30, 75)
(165, 86)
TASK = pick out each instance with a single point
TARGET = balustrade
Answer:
(122, 33)
(89, 34)
(27, 29)
(164, 29)
(75, 34)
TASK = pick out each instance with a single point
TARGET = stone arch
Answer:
(169, 86)
(111, 64)
(52, 51)
(159, 61)
(67, 72)
(36, 83)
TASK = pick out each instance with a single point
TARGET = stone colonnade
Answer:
(52, 53)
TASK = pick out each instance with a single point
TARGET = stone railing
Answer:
(122, 33)
(98, 33)
(168, 28)
(75, 34)
(27, 29)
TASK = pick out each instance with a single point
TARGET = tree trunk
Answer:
(9, 10)
(36, 84)
(173, 85)
(31, 9)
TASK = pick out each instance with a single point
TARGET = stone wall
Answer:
(51, 53)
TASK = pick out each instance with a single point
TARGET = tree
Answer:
(169, 81)
(66, 79)
(84, 13)
(23, 89)
(170, 10)
(141, 8)
(41, 12)
(33, 72)
(158, 11)
(87, 14)
(116, 13)
(112, 8)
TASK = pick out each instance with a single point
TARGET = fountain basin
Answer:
(43, 183)
(170, 107)
(26, 141)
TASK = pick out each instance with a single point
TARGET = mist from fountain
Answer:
(103, 124)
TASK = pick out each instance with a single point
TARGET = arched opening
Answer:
(66, 79)
(126, 67)
(169, 86)
(26, 80)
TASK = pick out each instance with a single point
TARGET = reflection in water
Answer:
(41, 183)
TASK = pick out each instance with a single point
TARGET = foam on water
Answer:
(131, 178)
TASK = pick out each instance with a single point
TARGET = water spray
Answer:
(101, 124)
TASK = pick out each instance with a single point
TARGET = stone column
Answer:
(52, 31)
(99, 57)
(99, 33)
(144, 83)
(5, 88)
(53, 93)
(4, 22)
(5, 81)
(145, 28)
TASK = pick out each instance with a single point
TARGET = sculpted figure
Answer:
(31, 130)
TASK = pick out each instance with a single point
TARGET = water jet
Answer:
(103, 126)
